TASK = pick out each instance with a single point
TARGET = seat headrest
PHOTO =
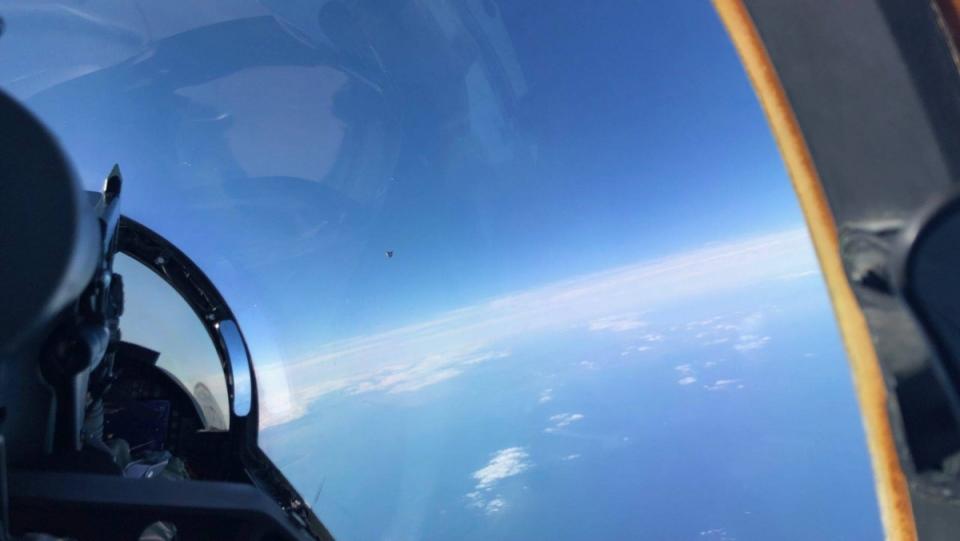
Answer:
(49, 237)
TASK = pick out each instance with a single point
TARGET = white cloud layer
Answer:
(561, 420)
(445, 346)
(722, 384)
(505, 463)
(619, 323)
(716, 534)
(799, 274)
(750, 342)
(490, 506)
(634, 349)
(743, 332)
(495, 506)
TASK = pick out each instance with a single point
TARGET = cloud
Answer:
(722, 384)
(449, 345)
(495, 506)
(799, 274)
(749, 342)
(634, 349)
(405, 382)
(504, 463)
(702, 322)
(570, 457)
(492, 506)
(619, 323)
(652, 337)
(561, 420)
(482, 358)
(743, 332)
(546, 395)
(717, 534)
(589, 365)
(689, 376)
(413, 377)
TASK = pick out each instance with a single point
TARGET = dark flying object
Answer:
(389, 254)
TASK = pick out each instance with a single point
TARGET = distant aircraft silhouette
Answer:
(389, 254)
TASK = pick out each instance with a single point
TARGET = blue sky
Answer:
(569, 189)
(549, 143)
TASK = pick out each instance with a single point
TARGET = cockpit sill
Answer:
(180, 272)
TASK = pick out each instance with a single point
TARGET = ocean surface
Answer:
(728, 416)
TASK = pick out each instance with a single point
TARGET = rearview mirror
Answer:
(239, 366)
